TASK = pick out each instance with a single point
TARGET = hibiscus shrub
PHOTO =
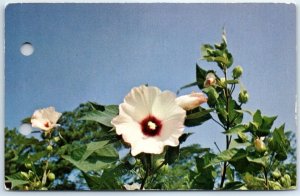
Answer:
(137, 144)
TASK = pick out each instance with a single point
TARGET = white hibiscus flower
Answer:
(45, 119)
(191, 101)
(149, 119)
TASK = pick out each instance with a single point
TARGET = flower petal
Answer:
(147, 145)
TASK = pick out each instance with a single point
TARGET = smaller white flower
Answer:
(210, 80)
(45, 119)
(191, 101)
(131, 187)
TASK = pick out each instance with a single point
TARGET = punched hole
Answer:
(27, 49)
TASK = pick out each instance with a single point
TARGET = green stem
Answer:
(266, 178)
(228, 139)
(148, 164)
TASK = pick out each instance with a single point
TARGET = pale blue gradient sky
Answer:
(99, 52)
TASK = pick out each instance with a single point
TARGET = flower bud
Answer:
(28, 165)
(43, 189)
(222, 82)
(191, 101)
(276, 174)
(25, 175)
(37, 184)
(51, 176)
(30, 173)
(49, 148)
(210, 80)
(26, 188)
(287, 180)
(56, 139)
(259, 145)
(237, 72)
(243, 96)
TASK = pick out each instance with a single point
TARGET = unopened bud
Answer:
(56, 139)
(51, 176)
(237, 72)
(243, 96)
(191, 101)
(30, 173)
(49, 148)
(223, 82)
(25, 175)
(210, 80)
(276, 174)
(28, 165)
(259, 145)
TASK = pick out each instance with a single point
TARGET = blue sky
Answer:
(98, 52)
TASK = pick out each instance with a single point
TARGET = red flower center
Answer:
(47, 124)
(151, 126)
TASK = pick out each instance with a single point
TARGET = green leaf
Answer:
(97, 161)
(112, 109)
(205, 176)
(197, 116)
(235, 130)
(172, 154)
(257, 118)
(254, 183)
(233, 185)
(184, 137)
(106, 154)
(187, 86)
(224, 156)
(100, 117)
(230, 174)
(200, 76)
(260, 161)
(17, 180)
(232, 81)
(86, 165)
(212, 95)
(107, 181)
(92, 147)
(281, 143)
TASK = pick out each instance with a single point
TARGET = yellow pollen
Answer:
(151, 125)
